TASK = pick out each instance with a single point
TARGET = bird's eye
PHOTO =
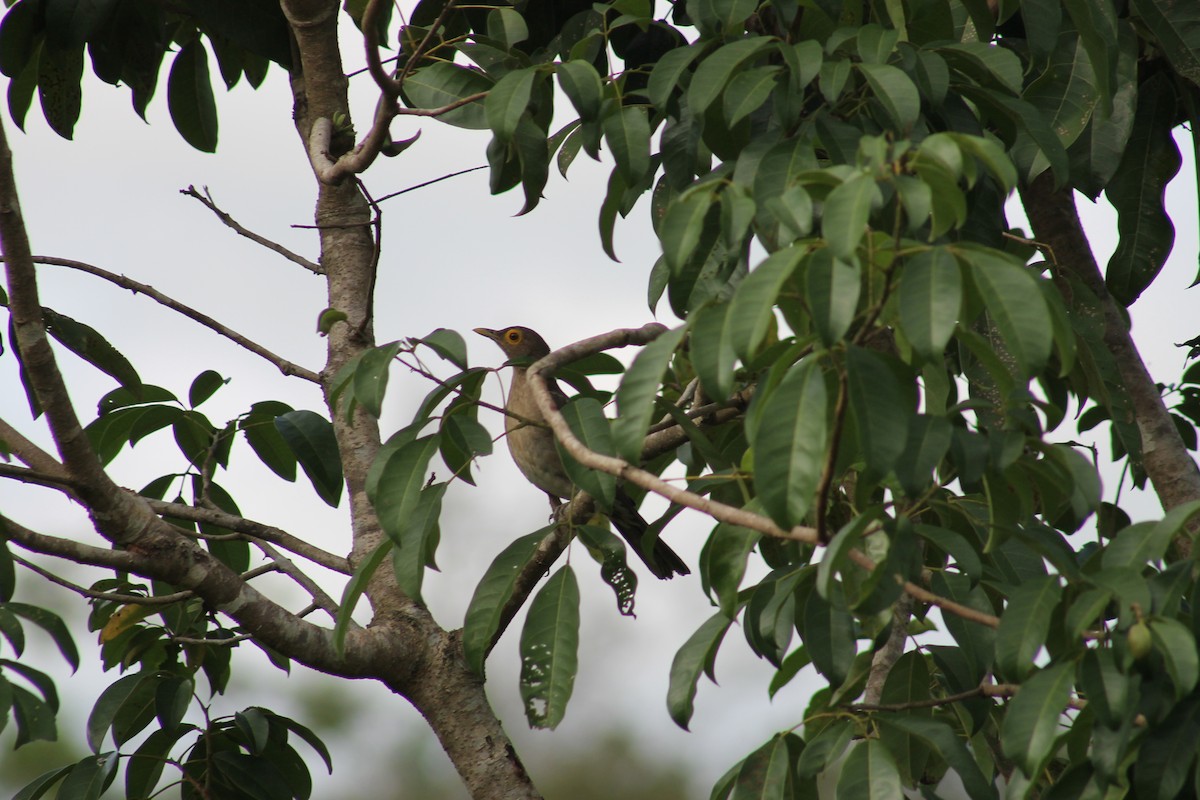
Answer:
(513, 335)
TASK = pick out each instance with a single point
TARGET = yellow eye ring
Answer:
(513, 335)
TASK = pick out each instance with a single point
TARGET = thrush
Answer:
(531, 444)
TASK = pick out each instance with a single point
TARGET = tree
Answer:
(865, 392)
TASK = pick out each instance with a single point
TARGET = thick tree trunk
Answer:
(437, 681)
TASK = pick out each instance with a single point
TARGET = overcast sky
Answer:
(454, 257)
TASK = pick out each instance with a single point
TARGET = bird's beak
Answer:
(489, 333)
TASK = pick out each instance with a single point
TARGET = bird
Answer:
(531, 444)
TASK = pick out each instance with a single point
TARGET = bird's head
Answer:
(517, 342)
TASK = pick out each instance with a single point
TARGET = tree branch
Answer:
(35, 352)
(536, 376)
(208, 202)
(137, 287)
(29, 453)
(252, 530)
(1171, 470)
(36, 477)
(622, 469)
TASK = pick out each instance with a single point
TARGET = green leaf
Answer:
(265, 439)
(667, 71)
(882, 407)
(929, 439)
(190, 97)
(550, 650)
(34, 718)
(720, 17)
(977, 642)
(1176, 27)
(930, 301)
(204, 386)
(627, 131)
(585, 416)
(697, 656)
(1137, 191)
(837, 553)
(507, 101)
(956, 546)
(371, 377)
(354, 590)
(944, 741)
(716, 70)
(609, 550)
(712, 349)
(418, 540)
(60, 70)
(833, 287)
(1025, 625)
(1066, 93)
(448, 344)
(768, 771)
(310, 436)
(42, 784)
(789, 445)
(87, 343)
(443, 83)
(747, 92)
(507, 25)
(52, 624)
(1016, 306)
(1031, 724)
(1167, 753)
(90, 776)
(724, 563)
(683, 227)
(896, 92)
(829, 636)
(18, 36)
(751, 310)
(397, 497)
(582, 85)
(492, 594)
(635, 396)
(870, 773)
(847, 209)
(106, 707)
(1178, 648)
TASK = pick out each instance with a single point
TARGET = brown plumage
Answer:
(532, 448)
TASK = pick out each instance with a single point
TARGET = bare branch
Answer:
(25, 475)
(423, 184)
(137, 287)
(253, 530)
(80, 553)
(116, 597)
(285, 565)
(1170, 467)
(208, 202)
(33, 346)
(37, 458)
(886, 657)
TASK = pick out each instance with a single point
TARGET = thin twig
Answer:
(208, 202)
(228, 642)
(285, 565)
(137, 287)
(431, 182)
(115, 597)
(252, 530)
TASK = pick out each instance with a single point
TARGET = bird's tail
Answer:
(661, 559)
